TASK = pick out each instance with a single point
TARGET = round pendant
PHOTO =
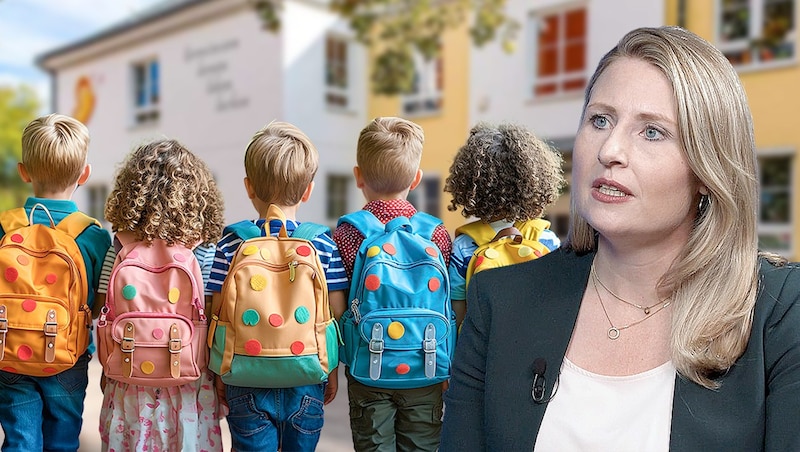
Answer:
(613, 333)
(647, 311)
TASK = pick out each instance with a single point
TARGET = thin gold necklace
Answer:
(614, 331)
(646, 309)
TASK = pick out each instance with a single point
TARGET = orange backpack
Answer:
(45, 323)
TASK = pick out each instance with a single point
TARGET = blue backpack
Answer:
(399, 332)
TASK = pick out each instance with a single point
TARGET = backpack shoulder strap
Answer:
(245, 230)
(75, 223)
(363, 220)
(309, 231)
(424, 224)
(13, 219)
(532, 229)
(481, 233)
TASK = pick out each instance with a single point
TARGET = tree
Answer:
(402, 27)
(18, 106)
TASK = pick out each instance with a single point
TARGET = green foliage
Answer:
(401, 27)
(18, 106)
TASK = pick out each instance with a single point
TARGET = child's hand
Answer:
(103, 382)
(333, 386)
(219, 387)
(445, 385)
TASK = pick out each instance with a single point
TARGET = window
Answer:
(426, 89)
(338, 188)
(775, 215)
(559, 52)
(146, 92)
(427, 196)
(336, 72)
(756, 32)
(97, 195)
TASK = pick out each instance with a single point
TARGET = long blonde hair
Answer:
(713, 282)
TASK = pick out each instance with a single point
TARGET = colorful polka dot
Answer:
(265, 254)
(51, 278)
(133, 255)
(179, 257)
(9, 369)
(297, 347)
(431, 251)
(289, 252)
(537, 253)
(174, 295)
(250, 317)
(372, 282)
(478, 261)
(249, 250)
(11, 274)
(491, 253)
(147, 367)
(23, 259)
(50, 370)
(252, 347)
(402, 369)
(524, 251)
(303, 250)
(24, 352)
(275, 320)
(396, 330)
(373, 251)
(390, 249)
(158, 333)
(434, 284)
(128, 292)
(301, 315)
(28, 305)
(258, 282)
(17, 238)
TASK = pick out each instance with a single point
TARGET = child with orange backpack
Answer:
(51, 255)
(166, 211)
(276, 284)
(505, 177)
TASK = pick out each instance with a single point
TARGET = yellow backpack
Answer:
(512, 245)
(44, 319)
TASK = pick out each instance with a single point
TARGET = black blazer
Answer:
(519, 313)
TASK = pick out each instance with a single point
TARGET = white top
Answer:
(591, 412)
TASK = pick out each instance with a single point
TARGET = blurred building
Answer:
(206, 73)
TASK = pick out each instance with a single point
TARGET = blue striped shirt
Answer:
(326, 249)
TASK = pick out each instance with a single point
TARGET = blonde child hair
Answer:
(280, 162)
(163, 191)
(388, 153)
(54, 149)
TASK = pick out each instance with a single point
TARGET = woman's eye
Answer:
(653, 134)
(601, 122)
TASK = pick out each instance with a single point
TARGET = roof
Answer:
(151, 14)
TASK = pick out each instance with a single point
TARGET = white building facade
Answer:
(206, 73)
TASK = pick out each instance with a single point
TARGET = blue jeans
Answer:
(43, 413)
(268, 419)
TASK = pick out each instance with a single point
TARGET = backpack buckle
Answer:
(127, 345)
(429, 346)
(50, 329)
(376, 351)
(3, 326)
(175, 345)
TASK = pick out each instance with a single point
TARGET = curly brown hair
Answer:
(503, 172)
(163, 191)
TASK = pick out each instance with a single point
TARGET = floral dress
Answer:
(144, 418)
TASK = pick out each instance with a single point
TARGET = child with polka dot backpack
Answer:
(505, 176)
(158, 394)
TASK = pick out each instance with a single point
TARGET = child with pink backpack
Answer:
(158, 395)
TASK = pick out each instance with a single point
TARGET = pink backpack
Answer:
(152, 330)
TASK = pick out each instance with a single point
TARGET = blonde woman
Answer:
(658, 326)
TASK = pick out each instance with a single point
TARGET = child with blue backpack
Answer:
(399, 297)
(504, 176)
(264, 412)
(163, 194)
(45, 411)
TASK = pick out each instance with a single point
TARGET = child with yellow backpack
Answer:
(505, 177)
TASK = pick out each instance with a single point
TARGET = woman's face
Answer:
(630, 178)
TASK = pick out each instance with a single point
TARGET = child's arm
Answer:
(333, 386)
(338, 303)
(460, 308)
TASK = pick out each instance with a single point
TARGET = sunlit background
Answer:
(209, 73)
